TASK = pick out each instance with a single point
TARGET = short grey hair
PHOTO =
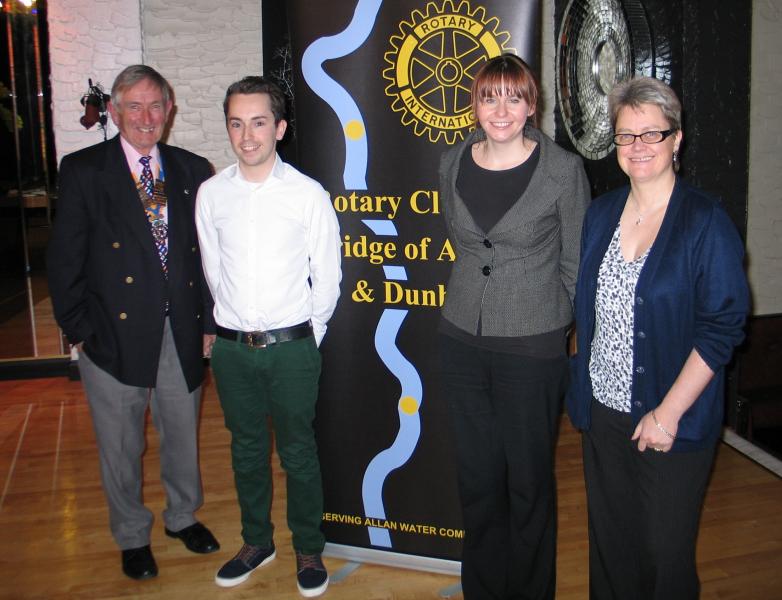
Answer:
(645, 90)
(131, 75)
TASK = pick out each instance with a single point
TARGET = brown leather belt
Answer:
(262, 339)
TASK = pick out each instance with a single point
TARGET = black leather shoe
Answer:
(138, 563)
(196, 538)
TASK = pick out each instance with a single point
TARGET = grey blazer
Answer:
(518, 278)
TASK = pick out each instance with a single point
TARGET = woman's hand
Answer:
(657, 429)
(655, 432)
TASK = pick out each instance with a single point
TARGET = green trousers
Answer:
(281, 382)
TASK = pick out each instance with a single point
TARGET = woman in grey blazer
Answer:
(513, 202)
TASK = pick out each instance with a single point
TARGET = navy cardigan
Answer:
(692, 293)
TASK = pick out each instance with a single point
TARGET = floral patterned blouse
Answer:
(611, 363)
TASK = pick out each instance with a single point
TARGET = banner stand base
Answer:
(451, 590)
(354, 554)
(345, 571)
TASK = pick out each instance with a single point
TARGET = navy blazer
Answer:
(105, 280)
(692, 293)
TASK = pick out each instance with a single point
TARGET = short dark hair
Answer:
(131, 75)
(506, 75)
(255, 84)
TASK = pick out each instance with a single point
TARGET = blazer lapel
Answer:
(540, 192)
(179, 197)
(121, 189)
(461, 214)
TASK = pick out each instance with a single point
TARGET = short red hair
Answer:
(506, 75)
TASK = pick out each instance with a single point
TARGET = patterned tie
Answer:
(154, 207)
(146, 179)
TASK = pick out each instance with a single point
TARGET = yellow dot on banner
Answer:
(408, 405)
(354, 130)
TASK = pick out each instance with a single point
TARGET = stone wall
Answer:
(201, 47)
(547, 64)
(87, 39)
(764, 211)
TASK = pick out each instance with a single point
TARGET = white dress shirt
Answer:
(271, 250)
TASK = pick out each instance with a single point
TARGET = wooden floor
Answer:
(55, 544)
(32, 332)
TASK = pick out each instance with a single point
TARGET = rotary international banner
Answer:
(381, 90)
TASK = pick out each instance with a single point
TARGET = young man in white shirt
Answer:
(271, 253)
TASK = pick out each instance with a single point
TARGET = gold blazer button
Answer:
(128, 279)
(123, 316)
(115, 245)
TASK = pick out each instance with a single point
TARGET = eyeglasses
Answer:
(647, 137)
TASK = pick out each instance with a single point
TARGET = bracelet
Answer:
(661, 428)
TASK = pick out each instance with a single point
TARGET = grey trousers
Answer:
(118, 415)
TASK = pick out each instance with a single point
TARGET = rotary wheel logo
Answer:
(433, 63)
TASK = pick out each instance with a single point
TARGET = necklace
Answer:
(657, 203)
(652, 210)
(640, 218)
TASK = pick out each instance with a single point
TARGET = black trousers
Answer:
(505, 412)
(644, 511)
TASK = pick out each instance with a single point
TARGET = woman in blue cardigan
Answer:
(661, 301)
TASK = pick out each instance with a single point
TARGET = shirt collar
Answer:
(132, 156)
(277, 172)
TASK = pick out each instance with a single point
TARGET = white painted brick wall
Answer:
(87, 38)
(201, 47)
(764, 225)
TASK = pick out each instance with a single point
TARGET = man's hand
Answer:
(209, 341)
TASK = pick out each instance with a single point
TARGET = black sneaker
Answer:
(238, 569)
(311, 575)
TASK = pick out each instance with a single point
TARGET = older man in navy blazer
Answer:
(127, 288)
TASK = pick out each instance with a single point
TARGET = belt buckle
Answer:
(254, 339)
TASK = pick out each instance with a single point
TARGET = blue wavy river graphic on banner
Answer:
(354, 178)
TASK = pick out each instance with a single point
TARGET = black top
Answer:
(487, 194)
(551, 344)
